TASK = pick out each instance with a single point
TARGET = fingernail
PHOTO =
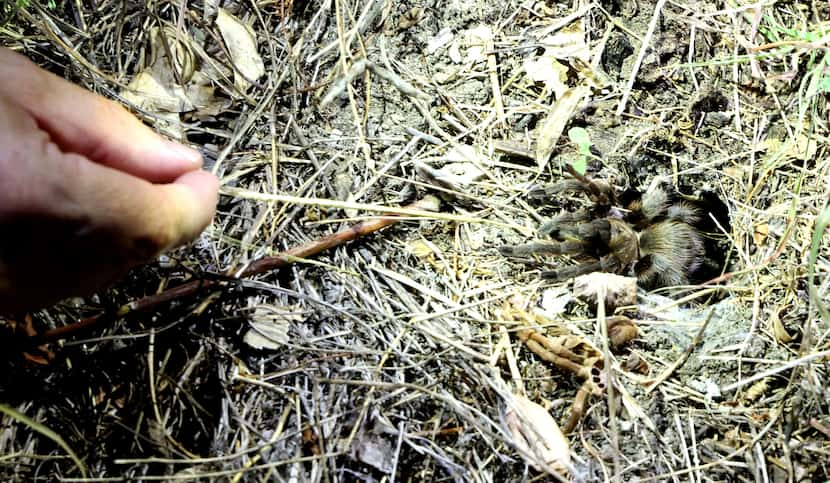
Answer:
(190, 155)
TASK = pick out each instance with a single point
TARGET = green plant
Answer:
(15, 5)
(580, 137)
(11, 7)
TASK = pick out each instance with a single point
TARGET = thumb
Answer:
(144, 218)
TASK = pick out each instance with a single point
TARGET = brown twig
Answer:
(262, 265)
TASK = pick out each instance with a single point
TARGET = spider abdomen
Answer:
(669, 252)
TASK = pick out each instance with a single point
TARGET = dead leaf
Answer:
(147, 93)
(567, 43)
(619, 290)
(179, 68)
(472, 43)
(559, 113)
(454, 52)
(537, 436)
(760, 234)
(270, 325)
(781, 334)
(157, 88)
(635, 363)
(419, 248)
(555, 300)
(452, 176)
(40, 355)
(374, 451)
(550, 71)
(242, 46)
(440, 40)
(593, 77)
(411, 18)
(460, 153)
(464, 174)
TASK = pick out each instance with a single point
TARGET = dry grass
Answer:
(392, 363)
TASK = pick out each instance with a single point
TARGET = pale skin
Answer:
(86, 190)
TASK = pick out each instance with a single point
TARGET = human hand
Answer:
(86, 190)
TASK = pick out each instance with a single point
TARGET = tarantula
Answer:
(660, 236)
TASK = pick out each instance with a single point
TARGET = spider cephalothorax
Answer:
(662, 237)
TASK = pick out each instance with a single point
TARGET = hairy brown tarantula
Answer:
(660, 236)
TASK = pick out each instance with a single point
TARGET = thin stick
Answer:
(775, 370)
(683, 357)
(640, 56)
(495, 86)
(262, 265)
(348, 205)
(613, 426)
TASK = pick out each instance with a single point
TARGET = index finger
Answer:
(84, 123)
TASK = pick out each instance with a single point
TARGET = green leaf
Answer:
(821, 224)
(580, 165)
(580, 137)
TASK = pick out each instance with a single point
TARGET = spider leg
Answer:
(545, 191)
(608, 263)
(552, 226)
(567, 273)
(599, 191)
(572, 238)
(542, 247)
(596, 234)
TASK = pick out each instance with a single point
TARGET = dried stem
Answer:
(265, 264)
